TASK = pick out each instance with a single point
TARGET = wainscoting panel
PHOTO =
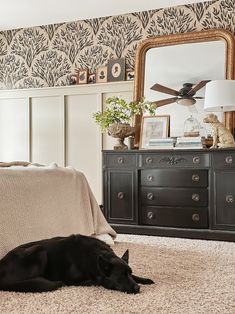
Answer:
(55, 124)
(83, 140)
(14, 129)
(47, 129)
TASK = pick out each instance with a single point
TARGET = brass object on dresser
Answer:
(171, 193)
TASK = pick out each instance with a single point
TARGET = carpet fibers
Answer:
(191, 277)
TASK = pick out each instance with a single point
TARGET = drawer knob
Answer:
(120, 160)
(195, 217)
(149, 160)
(150, 215)
(195, 197)
(229, 198)
(120, 195)
(196, 160)
(229, 159)
(195, 177)
(150, 178)
(150, 196)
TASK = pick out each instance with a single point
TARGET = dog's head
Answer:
(210, 118)
(116, 274)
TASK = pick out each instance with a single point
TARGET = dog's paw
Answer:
(148, 281)
(59, 284)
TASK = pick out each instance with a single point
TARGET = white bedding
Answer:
(38, 202)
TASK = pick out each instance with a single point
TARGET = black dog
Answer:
(76, 260)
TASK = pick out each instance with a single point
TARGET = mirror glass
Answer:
(172, 66)
(174, 60)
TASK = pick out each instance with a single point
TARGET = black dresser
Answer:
(178, 193)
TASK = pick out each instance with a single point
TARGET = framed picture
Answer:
(82, 76)
(130, 75)
(153, 127)
(91, 78)
(116, 70)
(101, 74)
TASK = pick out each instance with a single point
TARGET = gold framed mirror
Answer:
(173, 60)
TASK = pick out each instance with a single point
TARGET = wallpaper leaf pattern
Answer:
(50, 29)
(30, 82)
(51, 67)
(3, 47)
(221, 16)
(145, 16)
(48, 55)
(199, 8)
(12, 70)
(72, 39)
(118, 33)
(9, 35)
(171, 21)
(96, 23)
(130, 57)
(92, 58)
(29, 44)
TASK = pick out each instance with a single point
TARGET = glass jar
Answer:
(191, 127)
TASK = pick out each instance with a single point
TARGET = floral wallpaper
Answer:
(49, 55)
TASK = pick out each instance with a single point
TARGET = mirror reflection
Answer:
(171, 72)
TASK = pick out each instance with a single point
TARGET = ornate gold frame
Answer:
(176, 39)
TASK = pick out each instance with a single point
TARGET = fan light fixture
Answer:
(185, 96)
(220, 96)
(186, 101)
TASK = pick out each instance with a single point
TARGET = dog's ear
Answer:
(104, 265)
(125, 256)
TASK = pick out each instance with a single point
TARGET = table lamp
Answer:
(220, 96)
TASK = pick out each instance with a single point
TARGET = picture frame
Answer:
(116, 70)
(130, 75)
(154, 127)
(101, 74)
(91, 78)
(82, 76)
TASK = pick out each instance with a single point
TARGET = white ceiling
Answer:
(27, 13)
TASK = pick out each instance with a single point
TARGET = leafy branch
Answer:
(120, 111)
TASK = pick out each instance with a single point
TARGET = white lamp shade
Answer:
(220, 96)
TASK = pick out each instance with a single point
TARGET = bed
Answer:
(38, 202)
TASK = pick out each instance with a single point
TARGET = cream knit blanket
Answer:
(38, 202)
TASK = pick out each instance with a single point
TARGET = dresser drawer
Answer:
(174, 177)
(174, 160)
(223, 160)
(120, 161)
(174, 196)
(174, 217)
(225, 199)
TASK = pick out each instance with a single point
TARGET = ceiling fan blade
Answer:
(163, 89)
(198, 97)
(197, 87)
(164, 102)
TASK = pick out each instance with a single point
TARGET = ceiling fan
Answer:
(185, 96)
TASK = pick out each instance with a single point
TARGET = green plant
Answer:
(120, 111)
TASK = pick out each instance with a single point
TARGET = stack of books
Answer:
(189, 142)
(161, 143)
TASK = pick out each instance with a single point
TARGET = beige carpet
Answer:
(192, 276)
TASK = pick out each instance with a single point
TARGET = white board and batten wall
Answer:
(55, 124)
